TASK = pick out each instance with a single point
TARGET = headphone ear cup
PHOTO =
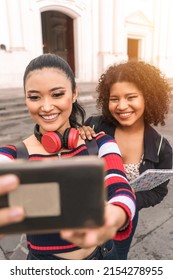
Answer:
(52, 141)
(70, 138)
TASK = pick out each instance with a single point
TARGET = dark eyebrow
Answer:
(57, 88)
(32, 91)
(52, 89)
(126, 94)
(131, 93)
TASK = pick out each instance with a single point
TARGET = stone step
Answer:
(10, 105)
(12, 112)
(6, 119)
(12, 108)
(14, 99)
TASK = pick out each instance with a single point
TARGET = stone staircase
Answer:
(12, 105)
(14, 108)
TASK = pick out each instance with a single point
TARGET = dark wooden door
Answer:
(58, 37)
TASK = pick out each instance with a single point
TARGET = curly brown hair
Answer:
(147, 78)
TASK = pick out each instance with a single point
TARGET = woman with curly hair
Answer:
(134, 96)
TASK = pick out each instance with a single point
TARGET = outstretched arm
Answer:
(120, 207)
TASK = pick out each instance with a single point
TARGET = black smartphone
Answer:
(56, 194)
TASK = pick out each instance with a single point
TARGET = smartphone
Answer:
(56, 194)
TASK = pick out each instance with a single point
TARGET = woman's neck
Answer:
(131, 142)
(135, 128)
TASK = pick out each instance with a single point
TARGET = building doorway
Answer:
(58, 38)
(133, 49)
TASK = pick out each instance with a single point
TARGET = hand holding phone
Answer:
(56, 194)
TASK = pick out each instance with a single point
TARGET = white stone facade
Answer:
(101, 32)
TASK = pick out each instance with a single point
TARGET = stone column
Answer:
(163, 36)
(119, 31)
(4, 34)
(105, 34)
(15, 25)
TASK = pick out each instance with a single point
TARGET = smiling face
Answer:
(126, 104)
(49, 99)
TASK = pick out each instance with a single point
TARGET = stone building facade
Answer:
(89, 34)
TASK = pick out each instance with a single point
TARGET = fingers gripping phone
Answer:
(55, 194)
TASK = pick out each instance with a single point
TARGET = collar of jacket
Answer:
(151, 138)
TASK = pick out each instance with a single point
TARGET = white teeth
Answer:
(50, 117)
(125, 114)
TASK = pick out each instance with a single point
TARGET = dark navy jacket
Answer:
(150, 160)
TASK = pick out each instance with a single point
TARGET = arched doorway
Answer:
(57, 30)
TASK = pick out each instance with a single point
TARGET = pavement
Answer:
(153, 238)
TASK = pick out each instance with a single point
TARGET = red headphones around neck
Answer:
(53, 141)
